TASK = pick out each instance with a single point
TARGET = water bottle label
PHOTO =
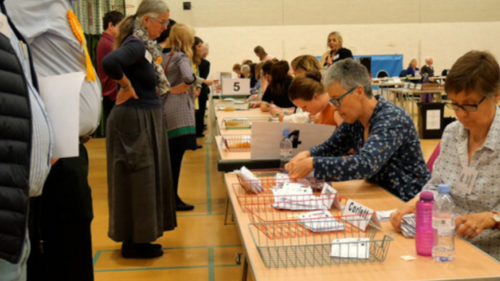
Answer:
(443, 223)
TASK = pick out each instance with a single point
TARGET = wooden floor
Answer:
(201, 248)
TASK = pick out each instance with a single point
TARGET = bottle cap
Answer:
(426, 196)
(443, 188)
(286, 133)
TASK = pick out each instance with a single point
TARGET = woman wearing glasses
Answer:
(382, 135)
(470, 147)
(140, 189)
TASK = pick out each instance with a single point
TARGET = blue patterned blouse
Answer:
(391, 157)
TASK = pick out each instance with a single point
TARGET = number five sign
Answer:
(235, 87)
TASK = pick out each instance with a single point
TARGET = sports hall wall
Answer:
(442, 29)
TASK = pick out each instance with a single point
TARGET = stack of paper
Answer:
(384, 215)
(353, 248)
(249, 180)
(408, 224)
(320, 221)
(281, 179)
(297, 196)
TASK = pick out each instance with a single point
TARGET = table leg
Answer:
(245, 268)
(226, 214)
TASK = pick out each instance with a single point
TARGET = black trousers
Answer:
(107, 106)
(61, 243)
(200, 113)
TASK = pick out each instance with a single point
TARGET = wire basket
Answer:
(279, 211)
(244, 189)
(236, 143)
(340, 247)
(243, 123)
(232, 106)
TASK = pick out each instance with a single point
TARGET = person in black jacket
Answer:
(204, 69)
(26, 148)
(336, 52)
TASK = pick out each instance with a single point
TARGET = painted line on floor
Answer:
(211, 258)
(211, 271)
(165, 268)
(207, 171)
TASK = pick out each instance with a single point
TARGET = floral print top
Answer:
(391, 156)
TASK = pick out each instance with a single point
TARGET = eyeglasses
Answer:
(464, 107)
(164, 23)
(336, 102)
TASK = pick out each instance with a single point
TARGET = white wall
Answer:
(442, 29)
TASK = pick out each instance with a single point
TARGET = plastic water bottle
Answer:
(423, 229)
(443, 224)
(285, 149)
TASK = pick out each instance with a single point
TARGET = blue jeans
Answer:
(16, 272)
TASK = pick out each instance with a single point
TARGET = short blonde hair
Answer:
(306, 62)
(182, 39)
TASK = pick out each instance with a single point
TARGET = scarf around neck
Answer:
(155, 50)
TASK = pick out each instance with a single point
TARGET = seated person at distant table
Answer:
(277, 92)
(470, 149)
(382, 135)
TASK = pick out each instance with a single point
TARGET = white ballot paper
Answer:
(353, 248)
(320, 221)
(61, 96)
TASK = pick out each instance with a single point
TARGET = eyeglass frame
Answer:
(336, 102)
(163, 23)
(476, 106)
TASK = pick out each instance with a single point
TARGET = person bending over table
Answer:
(277, 91)
(470, 147)
(382, 135)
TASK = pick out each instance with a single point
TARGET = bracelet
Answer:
(126, 87)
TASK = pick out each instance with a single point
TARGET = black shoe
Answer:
(200, 135)
(205, 127)
(183, 207)
(199, 146)
(132, 250)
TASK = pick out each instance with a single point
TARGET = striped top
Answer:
(41, 145)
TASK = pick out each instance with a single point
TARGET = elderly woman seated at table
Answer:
(386, 145)
(470, 147)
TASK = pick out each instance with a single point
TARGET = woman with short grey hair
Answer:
(382, 135)
(140, 187)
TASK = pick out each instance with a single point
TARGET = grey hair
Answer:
(427, 59)
(152, 8)
(349, 74)
(245, 68)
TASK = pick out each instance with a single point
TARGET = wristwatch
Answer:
(496, 219)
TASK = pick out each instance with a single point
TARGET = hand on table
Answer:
(300, 168)
(397, 215)
(471, 225)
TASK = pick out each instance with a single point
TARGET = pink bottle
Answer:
(424, 236)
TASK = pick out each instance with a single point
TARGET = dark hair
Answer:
(252, 69)
(306, 86)
(236, 66)
(166, 33)
(475, 71)
(259, 51)
(279, 74)
(196, 55)
(266, 68)
(113, 17)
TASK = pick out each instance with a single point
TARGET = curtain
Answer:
(91, 12)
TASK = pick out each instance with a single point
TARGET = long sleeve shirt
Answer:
(55, 49)
(104, 47)
(391, 156)
(130, 60)
(42, 142)
(485, 194)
